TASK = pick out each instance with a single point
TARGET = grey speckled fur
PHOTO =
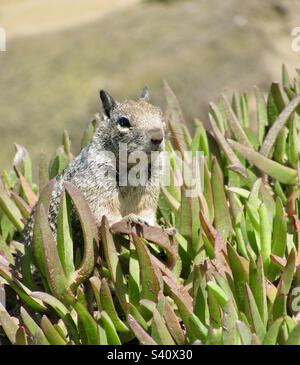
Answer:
(96, 174)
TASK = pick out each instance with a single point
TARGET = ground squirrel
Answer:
(138, 127)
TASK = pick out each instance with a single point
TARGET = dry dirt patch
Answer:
(24, 18)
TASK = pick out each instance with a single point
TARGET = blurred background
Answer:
(61, 52)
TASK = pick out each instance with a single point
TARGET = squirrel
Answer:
(137, 125)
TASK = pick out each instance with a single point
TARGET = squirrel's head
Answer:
(138, 124)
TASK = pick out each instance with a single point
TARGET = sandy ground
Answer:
(30, 17)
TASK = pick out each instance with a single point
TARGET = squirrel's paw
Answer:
(132, 218)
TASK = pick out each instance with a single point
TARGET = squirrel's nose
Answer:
(156, 142)
(156, 137)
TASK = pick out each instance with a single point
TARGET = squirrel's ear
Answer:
(108, 102)
(145, 94)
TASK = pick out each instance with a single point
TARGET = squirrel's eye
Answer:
(124, 122)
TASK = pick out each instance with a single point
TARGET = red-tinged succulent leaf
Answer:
(271, 291)
(143, 337)
(217, 116)
(161, 237)
(133, 311)
(96, 285)
(90, 234)
(208, 228)
(170, 199)
(255, 339)
(46, 193)
(21, 337)
(179, 292)
(297, 225)
(231, 156)
(288, 272)
(24, 208)
(47, 256)
(9, 324)
(278, 261)
(22, 162)
(173, 324)
(29, 194)
(176, 121)
(160, 332)
(183, 301)
(235, 124)
(291, 202)
(5, 253)
(277, 126)
(164, 269)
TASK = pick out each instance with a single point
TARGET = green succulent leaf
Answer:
(111, 333)
(272, 334)
(283, 174)
(109, 307)
(253, 315)
(222, 216)
(51, 333)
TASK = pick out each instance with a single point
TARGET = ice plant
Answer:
(231, 274)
